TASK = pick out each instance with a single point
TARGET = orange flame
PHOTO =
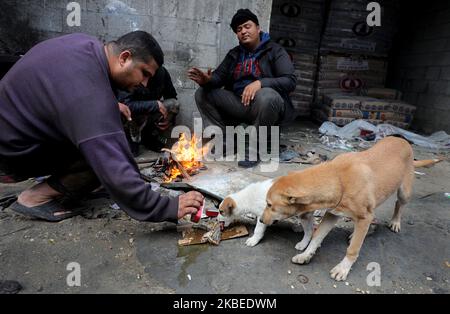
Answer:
(188, 153)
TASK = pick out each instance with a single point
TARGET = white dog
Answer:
(252, 200)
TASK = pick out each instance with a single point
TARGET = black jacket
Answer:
(144, 99)
(277, 72)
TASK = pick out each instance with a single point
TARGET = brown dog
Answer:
(351, 185)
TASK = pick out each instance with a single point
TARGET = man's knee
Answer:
(200, 97)
(267, 99)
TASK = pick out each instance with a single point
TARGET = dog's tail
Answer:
(426, 162)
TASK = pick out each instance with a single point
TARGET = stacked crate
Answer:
(353, 55)
(353, 67)
(342, 109)
(350, 74)
(296, 25)
(347, 31)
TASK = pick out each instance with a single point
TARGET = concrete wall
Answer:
(421, 63)
(191, 32)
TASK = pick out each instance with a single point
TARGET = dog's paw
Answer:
(302, 258)
(340, 271)
(395, 226)
(252, 241)
(303, 244)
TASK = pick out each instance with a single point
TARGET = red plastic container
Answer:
(196, 218)
(212, 212)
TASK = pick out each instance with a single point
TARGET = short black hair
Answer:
(142, 46)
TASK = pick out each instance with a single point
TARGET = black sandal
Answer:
(9, 287)
(52, 211)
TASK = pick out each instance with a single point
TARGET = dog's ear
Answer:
(227, 206)
(297, 197)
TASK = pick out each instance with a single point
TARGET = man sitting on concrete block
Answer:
(257, 76)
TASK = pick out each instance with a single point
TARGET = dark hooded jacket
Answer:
(277, 72)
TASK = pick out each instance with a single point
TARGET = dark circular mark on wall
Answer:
(290, 9)
(362, 29)
(286, 42)
(351, 83)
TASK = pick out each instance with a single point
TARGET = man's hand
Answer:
(125, 111)
(198, 76)
(250, 91)
(189, 203)
(164, 123)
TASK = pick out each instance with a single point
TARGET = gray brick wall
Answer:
(191, 32)
(421, 66)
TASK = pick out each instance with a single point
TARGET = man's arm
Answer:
(137, 107)
(284, 79)
(219, 75)
(112, 162)
(215, 79)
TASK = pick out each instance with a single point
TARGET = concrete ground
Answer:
(120, 255)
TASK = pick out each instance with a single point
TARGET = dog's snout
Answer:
(275, 221)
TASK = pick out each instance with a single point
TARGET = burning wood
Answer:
(176, 168)
(182, 161)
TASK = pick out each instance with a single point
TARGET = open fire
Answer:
(184, 159)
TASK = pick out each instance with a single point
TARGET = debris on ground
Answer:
(298, 154)
(438, 140)
(194, 235)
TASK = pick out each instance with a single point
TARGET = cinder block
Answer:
(438, 87)
(196, 55)
(97, 6)
(430, 45)
(442, 102)
(445, 73)
(143, 23)
(63, 4)
(411, 97)
(141, 6)
(207, 33)
(415, 85)
(203, 10)
(164, 28)
(49, 19)
(167, 8)
(433, 73)
(187, 107)
(426, 100)
(168, 50)
(415, 72)
(95, 24)
(120, 24)
(442, 58)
